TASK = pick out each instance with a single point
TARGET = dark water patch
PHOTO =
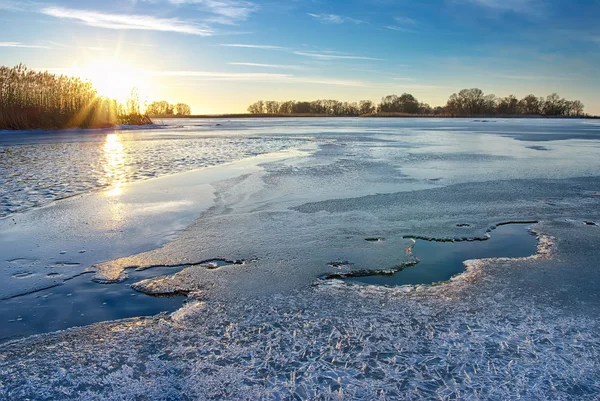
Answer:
(63, 264)
(80, 301)
(23, 261)
(340, 264)
(537, 147)
(23, 275)
(439, 260)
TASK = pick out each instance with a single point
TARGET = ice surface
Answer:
(481, 338)
(84, 161)
(270, 329)
(68, 236)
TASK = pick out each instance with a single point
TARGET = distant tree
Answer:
(508, 105)
(257, 107)
(405, 103)
(454, 106)
(271, 107)
(471, 102)
(439, 110)
(302, 108)
(530, 105)
(408, 104)
(424, 108)
(183, 109)
(467, 102)
(366, 107)
(160, 108)
(555, 105)
(388, 104)
(351, 109)
(577, 108)
(316, 107)
(286, 107)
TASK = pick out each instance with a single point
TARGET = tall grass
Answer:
(41, 100)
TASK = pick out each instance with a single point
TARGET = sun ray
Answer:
(114, 80)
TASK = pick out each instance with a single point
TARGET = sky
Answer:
(219, 56)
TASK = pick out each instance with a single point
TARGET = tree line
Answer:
(41, 100)
(162, 108)
(467, 102)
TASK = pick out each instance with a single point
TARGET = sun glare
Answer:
(114, 80)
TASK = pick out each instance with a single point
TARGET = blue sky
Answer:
(221, 55)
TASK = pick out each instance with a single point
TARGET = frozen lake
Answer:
(297, 203)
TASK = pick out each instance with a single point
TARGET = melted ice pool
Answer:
(81, 301)
(440, 260)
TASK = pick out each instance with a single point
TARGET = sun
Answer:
(114, 80)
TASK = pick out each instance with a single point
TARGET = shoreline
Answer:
(387, 115)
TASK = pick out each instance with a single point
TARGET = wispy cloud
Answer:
(330, 81)
(225, 11)
(399, 28)
(405, 21)
(532, 7)
(233, 76)
(129, 22)
(335, 19)
(259, 65)
(402, 24)
(250, 46)
(23, 45)
(539, 77)
(333, 56)
(191, 75)
(417, 87)
(94, 48)
(12, 5)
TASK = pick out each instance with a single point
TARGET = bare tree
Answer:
(183, 109)
(577, 108)
(366, 107)
(160, 108)
(257, 107)
(530, 105)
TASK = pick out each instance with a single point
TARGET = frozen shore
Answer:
(483, 337)
(270, 327)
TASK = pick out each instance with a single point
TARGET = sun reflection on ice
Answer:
(114, 165)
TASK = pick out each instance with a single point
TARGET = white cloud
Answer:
(332, 56)
(11, 5)
(539, 77)
(329, 81)
(335, 19)
(517, 6)
(257, 77)
(402, 24)
(405, 20)
(399, 28)
(292, 67)
(225, 11)
(418, 87)
(23, 45)
(243, 76)
(126, 21)
(264, 47)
